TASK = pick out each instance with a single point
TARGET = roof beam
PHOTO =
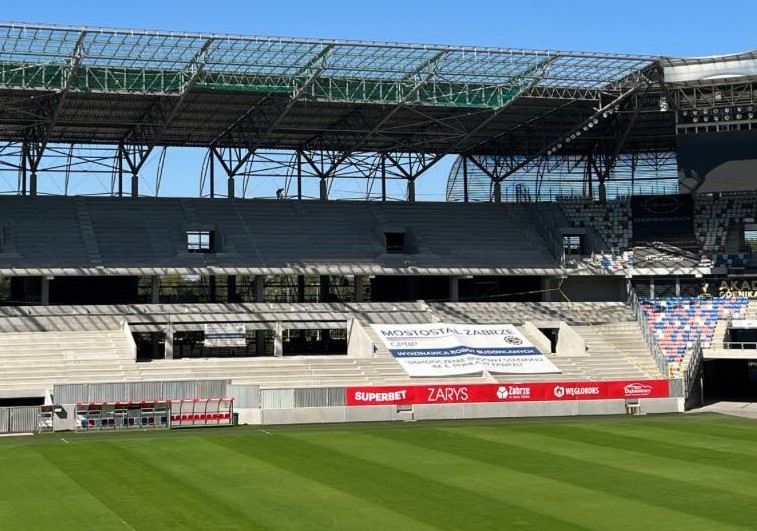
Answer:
(40, 136)
(557, 143)
(156, 121)
(248, 117)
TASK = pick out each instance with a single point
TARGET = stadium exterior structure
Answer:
(108, 295)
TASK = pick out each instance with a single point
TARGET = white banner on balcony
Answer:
(444, 349)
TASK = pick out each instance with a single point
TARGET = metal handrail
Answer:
(729, 345)
(657, 354)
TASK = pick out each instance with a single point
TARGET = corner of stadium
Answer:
(593, 255)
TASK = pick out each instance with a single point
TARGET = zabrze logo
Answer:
(512, 340)
(502, 393)
(637, 389)
(559, 391)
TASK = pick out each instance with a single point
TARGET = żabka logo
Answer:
(637, 389)
(394, 396)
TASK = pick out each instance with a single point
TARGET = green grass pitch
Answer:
(668, 472)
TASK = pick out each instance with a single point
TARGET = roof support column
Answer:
(359, 290)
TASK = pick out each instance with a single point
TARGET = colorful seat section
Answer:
(679, 322)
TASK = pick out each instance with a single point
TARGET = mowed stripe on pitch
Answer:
(279, 498)
(35, 494)
(590, 508)
(579, 469)
(663, 457)
(141, 491)
(417, 496)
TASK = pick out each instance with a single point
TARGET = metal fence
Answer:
(245, 396)
(19, 419)
(136, 391)
(303, 397)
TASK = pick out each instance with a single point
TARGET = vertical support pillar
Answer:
(231, 289)
(212, 288)
(155, 292)
(260, 342)
(169, 342)
(497, 192)
(22, 184)
(300, 288)
(278, 340)
(230, 185)
(33, 184)
(324, 190)
(45, 291)
(299, 176)
(212, 172)
(359, 281)
(602, 189)
(154, 343)
(678, 286)
(383, 177)
(651, 287)
(454, 289)
(120, 174)
(134, 185)
(259, 288)
(411, 190)
(465, 179)
(324, 291)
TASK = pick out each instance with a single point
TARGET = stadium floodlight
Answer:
(705, 111)
(694, 112)
(696, 119)
(706, 118)
(715, 111)
(716, 118)
(739, 116)
(750, 115)
(727, 110)
(750, 108)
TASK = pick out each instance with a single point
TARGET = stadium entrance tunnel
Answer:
(730, 380)
(314, 342)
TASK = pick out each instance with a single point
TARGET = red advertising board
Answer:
(505, 392)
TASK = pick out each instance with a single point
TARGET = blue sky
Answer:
(659, 27)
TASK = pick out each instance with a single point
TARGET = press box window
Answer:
(200, 241)
(395, 242)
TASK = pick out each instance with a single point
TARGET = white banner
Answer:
(443, 349)
(225, 335)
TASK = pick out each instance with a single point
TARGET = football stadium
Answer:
(305, 342)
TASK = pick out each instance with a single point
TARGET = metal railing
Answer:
(692, 368)
(659, 357)
(740, 345)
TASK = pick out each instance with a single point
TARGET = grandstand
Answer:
(593, 256)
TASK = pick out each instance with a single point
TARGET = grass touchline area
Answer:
(656, 472)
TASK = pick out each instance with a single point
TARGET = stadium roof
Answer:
(109, 86)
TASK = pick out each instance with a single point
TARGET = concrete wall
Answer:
(359, 344)
(466, 411)
(343, 414)
(570, 342)
(540, 341)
